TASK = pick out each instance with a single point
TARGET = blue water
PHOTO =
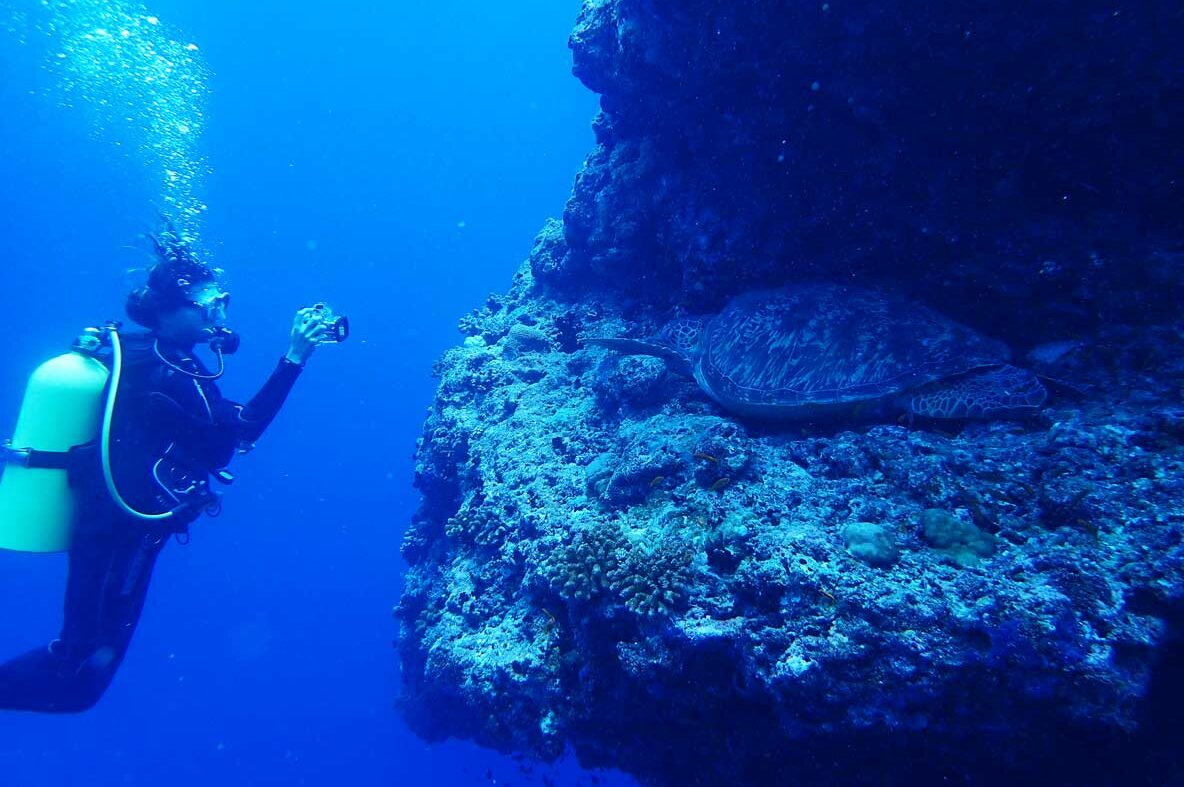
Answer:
(394, 159)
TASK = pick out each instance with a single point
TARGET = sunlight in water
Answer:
(142, 88)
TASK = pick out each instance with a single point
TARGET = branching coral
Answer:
(578, 567)
(654, 578)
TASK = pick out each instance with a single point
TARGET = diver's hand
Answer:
(307, 331)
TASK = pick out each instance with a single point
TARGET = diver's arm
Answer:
(258, 414)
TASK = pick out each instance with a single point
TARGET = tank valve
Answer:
(89, 342)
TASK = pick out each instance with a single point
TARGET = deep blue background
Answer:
(349, 142)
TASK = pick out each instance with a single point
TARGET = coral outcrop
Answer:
(607, 562)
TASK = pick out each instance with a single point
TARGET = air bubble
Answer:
(141, 89)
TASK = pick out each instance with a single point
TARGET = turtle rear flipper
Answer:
(989, 392)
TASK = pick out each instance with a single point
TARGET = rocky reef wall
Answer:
(609, 561)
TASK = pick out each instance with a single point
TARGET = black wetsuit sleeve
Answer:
(258, 413)
(176, 407)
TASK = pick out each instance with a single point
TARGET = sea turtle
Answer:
(825, 350)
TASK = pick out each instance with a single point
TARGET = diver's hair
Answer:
(175, 270)
(144, 306)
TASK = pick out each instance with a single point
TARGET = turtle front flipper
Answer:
(638, 347)
(985, 393)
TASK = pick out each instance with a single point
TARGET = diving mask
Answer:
(212, 301)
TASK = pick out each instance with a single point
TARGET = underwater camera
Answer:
(338, 326)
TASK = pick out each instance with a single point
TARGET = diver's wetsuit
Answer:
(112, 555)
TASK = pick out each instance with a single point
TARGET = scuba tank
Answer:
(69, 402)
(62, 408)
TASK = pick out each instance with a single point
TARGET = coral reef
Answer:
(606, 561)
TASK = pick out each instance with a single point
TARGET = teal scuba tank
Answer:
(62, 408)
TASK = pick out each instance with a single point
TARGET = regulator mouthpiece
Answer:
(224, 341)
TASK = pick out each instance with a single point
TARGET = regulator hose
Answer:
(105, 442)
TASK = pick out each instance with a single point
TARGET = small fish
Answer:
(707, 457)
(720, 484)
(657, 480)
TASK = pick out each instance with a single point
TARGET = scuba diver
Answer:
(167, 435)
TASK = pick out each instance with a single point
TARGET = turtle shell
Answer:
(816, 347)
